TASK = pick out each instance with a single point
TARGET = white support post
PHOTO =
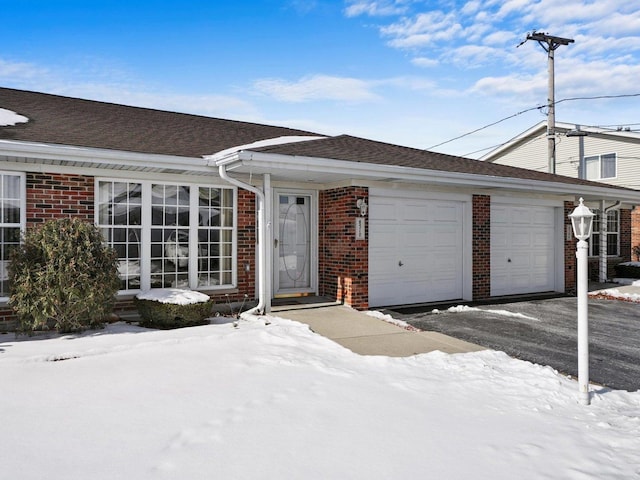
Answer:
(582, 252)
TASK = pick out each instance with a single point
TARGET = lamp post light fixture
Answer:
(582, 223)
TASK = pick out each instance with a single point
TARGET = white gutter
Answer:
(227, 157)
(262, 243)
(272, 162)
(94, 156)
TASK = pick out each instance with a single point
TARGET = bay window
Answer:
(169, 235)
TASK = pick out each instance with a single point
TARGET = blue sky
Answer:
(411, 72)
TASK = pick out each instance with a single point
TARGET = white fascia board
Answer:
(225, 156)
(71, 153)
(273, 162)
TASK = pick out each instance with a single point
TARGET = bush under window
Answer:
(63, 277)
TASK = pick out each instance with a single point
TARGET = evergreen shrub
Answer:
(63, 276)
(627, 270)
(156, 314)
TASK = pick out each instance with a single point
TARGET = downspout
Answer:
(262, 270)
(603, 271)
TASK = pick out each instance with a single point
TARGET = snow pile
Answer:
(9, 118)
(278, 401)
(390, 319)
(466, 308)
(175, 296)
(615, 294)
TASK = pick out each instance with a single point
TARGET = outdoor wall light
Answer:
(582, 223)
(361, 203)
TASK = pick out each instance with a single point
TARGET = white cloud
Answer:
(21, 71)
(316, 87)
(500, 37)
(377, 8)
(425, 62)
(422, 30)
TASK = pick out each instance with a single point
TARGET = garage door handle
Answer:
(508, 260)
(400, 263)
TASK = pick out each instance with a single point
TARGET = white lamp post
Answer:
(582, 222)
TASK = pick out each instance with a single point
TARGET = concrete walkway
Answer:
(367, 335)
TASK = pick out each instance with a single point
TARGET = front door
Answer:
(294, 244)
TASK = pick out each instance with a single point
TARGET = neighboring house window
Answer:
(169, 235)
(613, 234)
(11, 219)
(600, 167)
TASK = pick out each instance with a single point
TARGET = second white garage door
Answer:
(522, 249)
(415, 250)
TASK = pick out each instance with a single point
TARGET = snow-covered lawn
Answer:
(280, 402)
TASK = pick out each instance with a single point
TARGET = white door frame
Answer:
(313, 247)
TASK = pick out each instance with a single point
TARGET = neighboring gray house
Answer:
(239, 209)
(610, 156)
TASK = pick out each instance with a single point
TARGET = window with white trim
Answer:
(169, 235)
(600, 167)
(11, 222)
(613, 234)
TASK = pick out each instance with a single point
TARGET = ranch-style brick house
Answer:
(242, 210)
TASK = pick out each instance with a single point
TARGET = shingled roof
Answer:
(72, 121)
(354, 149)
(62, 120)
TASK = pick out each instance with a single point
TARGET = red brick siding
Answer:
(247, 242)
(481, 250)
(635, 230)
(625, 234)
(343, 260)
(53, 195)
(569, 251)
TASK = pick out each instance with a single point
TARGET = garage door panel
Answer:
(521, 240)
(417, 256)
(522, 249)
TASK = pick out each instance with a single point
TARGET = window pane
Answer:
(592, 168)
(612, 244)
(167, 225)
(10, 190)
(215, 211)
(120, 217)
(608, 166)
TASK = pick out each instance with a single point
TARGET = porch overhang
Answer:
(247, 164)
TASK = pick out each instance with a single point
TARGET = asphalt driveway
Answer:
(545, 332)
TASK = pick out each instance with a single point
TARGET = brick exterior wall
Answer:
(625, 234)
(247, 243)
(635, 230)
(481, 250)
(343, 260)
(52, 196)
(570, 261)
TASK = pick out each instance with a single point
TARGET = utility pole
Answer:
(550, 44)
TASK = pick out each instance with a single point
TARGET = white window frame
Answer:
(594, 250)
(21, 224)
(146, 228)
(597, 160)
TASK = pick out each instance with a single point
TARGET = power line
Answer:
(486, 126)
(598, 97)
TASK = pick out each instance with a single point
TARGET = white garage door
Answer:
(522, 249)
(415, 250)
